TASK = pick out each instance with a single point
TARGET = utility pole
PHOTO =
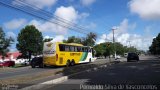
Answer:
(129, 46)
(114, 43)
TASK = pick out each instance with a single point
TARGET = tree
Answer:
(107, 49)
(155, 46)
(30, 41)
(99, 50)
(119, 48)
(103, 49)
(4, 43)
(89, 40)
(73, 39)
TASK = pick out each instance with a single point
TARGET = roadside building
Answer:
(11, 56)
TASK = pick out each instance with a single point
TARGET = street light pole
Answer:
(129, 46)
(114, 43)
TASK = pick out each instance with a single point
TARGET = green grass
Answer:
(19, 65)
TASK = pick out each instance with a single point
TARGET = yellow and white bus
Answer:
(61, 54)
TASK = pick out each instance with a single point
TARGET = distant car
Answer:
(22, 61)
(132, 57)
(94, 58)
(125, 55)
(7, 63)
(118, 57)
(37, 61)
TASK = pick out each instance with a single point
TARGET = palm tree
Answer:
(90, 39)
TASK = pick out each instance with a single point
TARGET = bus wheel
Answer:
(41, 66)
(68, 63)
(72, 63)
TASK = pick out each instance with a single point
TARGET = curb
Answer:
(62, 79)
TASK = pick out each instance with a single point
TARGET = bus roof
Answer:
(74, 44)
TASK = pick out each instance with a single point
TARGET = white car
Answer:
(118, 57)
(22, 61)
(94, 58)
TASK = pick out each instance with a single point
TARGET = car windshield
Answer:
(132, 54)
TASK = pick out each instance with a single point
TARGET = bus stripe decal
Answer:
(84, 56)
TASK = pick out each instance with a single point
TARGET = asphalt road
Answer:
(144, 74)
(28, 71)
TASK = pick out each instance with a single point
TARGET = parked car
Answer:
(7, 63)
(37, 61)
(22, 61)
(125, 55)
(132, 57)
(118, 57)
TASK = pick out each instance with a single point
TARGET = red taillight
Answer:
(56, 57)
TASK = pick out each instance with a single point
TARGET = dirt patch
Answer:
(28, 78)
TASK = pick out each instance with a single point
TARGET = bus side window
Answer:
(86, 49)
(61, 47)
(71, 48)
(83, 50)
(66, 48)
(89, 49)
(79, 49)
(75, 49)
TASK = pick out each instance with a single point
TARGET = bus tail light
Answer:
(56, 57)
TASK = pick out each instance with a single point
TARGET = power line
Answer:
(51, 15)
(47, 16)
(74, 25)
(40, 17)
(55, 16)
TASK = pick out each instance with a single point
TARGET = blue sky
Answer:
(137, 21)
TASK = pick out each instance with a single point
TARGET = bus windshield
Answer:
(49, 48)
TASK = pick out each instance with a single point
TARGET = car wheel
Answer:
(13, 65)
(33, 66)
(41, 66)
(90, 60)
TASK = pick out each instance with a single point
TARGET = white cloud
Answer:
(87, 2)
(138, 41)
(67, 13)
(58, 38)
(122, 36)
(15, 23)
(12, 49)
(11, 34)
(102, 39)
(83, 15)
(38, 3)
(91, 25)
(47, 37)
(147, 9)
(124, 27)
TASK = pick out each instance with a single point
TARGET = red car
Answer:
(7, 63)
